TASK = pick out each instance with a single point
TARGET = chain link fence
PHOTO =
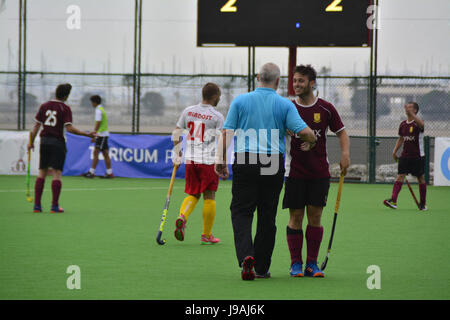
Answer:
(164, 96)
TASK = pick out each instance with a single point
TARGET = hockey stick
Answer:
(166, 208)
(338, 200)
(412, 192)
(29, 198)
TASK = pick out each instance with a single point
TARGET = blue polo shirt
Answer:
(260, 119)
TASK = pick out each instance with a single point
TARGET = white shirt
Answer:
(202, 124)
(98, 117)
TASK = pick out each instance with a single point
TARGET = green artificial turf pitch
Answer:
(109, 231)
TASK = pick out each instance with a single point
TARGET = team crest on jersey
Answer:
(411, 129)
(316, 117)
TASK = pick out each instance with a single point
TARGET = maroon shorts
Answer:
(200, 177)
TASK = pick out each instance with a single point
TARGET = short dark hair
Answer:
(415, 105)
(307, 70)
(96, 99)
(63, 90)
(210, 90)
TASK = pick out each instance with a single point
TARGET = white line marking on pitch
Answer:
(97, 189)
(104, 189)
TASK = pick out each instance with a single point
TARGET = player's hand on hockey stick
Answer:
(176, 161)
(345, 163)
(394, 155)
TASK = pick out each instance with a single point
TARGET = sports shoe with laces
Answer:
(210, 239)
(107, 176)
(247, 272)
(389, 203)
(37, 208)
(88, 175)
(423, 207)
(56, 209)
(180, 226)
(296, 270)
(262, 276)
(312, 270)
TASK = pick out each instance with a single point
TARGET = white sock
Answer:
(109, 171)
(92, 170)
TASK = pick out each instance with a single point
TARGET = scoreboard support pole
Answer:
(251, 69)
(292, 64)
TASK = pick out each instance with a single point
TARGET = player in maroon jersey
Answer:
(412, 159)
(307, 172)
(53, 116)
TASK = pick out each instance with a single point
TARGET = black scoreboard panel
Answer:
(311, 23)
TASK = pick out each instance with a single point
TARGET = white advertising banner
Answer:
(13, 153)
(442, 162)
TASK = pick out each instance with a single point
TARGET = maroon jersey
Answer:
(312, 164)
(53, 116)
(412, 136)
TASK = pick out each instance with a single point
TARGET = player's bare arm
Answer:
(344, 142)
(305, 146)
(176, 138)
(96, 127)
(307, 135)
(73, 130)
(398, 144)
(34, 133)
(416, 119)
(220, 166)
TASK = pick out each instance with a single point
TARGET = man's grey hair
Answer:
(269, 73)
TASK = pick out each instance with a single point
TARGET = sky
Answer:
(414, 39)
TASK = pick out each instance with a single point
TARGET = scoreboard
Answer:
(306, 23)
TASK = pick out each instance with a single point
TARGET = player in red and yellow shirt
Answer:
(307, 172)
(203, 122)
(412, 159)
(54, 116)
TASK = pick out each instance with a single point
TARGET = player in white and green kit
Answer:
(101, 142)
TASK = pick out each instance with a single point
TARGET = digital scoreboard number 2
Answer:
(229, 6)
(334, 6)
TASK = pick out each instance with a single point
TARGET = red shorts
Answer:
(200, 177)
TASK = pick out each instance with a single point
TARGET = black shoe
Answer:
(263, 276)
(88, 175)
(248, 272)
(423, 207)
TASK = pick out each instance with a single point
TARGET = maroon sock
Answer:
(313, 240)
(423, 192)
(38, 189)
(295, 243)
(56, 190)
(396, 190)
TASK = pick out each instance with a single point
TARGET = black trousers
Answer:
(254, 188)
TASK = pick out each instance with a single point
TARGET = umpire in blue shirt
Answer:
(259, 120)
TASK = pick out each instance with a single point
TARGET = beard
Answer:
(304, 92)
